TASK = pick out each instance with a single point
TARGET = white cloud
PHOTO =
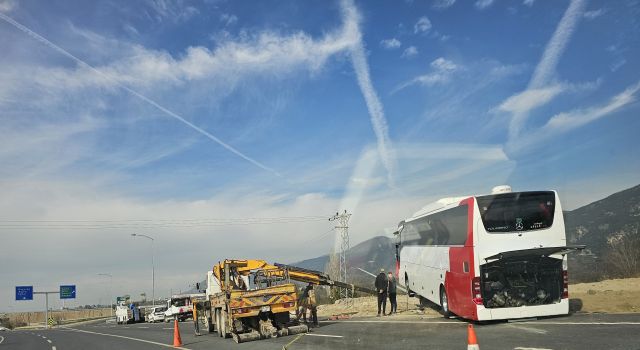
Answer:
(422, 26)
(531, 99)
(228, 19)
(441, 72)
(376, 110)
(567, 121)
(144, 69)
(540, 89)
(175, 11)
(7, 5)
(576, 118)
(483, 4)
(443, 4)
(390, 44)
(528, 2)
(617, 64)
(594, 13)
(410, 52)
(558, 43)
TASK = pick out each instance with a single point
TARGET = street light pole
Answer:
(110, 288)
(153, 268)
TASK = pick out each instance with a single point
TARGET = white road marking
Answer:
(324, 335)
(168, 328)
(129, 338)
(521, 348)
(1, 339)
(53, 348)
(586, 323)
(143, 327)
(529, 329)
(49, 341)
(399, 321)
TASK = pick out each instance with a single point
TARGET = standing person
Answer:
(392, 293)
(308, 301)
(381, 287)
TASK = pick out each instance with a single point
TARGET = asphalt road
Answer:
(580, 331)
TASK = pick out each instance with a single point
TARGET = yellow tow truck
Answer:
(252, 299)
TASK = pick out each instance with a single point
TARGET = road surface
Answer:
(580, 331)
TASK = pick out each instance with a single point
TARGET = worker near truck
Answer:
(381, 287)
(308, 302)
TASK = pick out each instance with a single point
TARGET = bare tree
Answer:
(623, 258)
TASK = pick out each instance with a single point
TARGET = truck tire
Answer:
(223, 324)
(218, 328)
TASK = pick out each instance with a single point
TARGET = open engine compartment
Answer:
(521, 281)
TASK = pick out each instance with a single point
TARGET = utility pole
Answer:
(342, 226)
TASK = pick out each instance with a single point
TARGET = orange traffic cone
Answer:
(471, 338)
(177, 341)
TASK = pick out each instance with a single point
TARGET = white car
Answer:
(156, 314)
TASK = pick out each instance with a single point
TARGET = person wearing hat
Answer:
(381, 287)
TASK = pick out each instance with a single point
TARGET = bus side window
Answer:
(465, 267)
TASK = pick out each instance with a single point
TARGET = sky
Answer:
(235, 129)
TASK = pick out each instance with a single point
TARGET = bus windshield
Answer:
(515, 212)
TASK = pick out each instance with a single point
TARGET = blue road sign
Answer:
(24, 292)
(68, 292)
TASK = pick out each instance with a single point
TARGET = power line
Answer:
(152, 223)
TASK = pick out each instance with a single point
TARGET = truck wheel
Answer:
(209, 322)
(223, 324)
(444, 303)
(218, 329)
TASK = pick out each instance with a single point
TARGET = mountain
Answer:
(603, 226)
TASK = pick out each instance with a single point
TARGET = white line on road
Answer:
(49, 340)
(521, 348)
(53, 348)
(398, 321)
(529, 329)
(325, 335)
(143, 327)
(1, 339)
(586, 323)
(129, 338)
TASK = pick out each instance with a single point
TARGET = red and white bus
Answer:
(489, 257)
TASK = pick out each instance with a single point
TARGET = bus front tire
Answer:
(444, 303)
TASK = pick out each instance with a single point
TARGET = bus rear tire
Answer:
(444, 303)
(406, 283)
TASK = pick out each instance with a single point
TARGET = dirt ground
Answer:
(611, 296)
(368, 306)
(616, 295)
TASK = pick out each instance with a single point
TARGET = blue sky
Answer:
(152, 110)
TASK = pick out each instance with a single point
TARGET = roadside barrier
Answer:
(472, 341)
(177, 340)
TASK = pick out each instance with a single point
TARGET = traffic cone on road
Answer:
(471, 338)
(177, 341)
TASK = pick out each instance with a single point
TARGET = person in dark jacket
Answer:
(381, 288)
(392, 293)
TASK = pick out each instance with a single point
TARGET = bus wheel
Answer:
(444, 303)
(406, 283)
